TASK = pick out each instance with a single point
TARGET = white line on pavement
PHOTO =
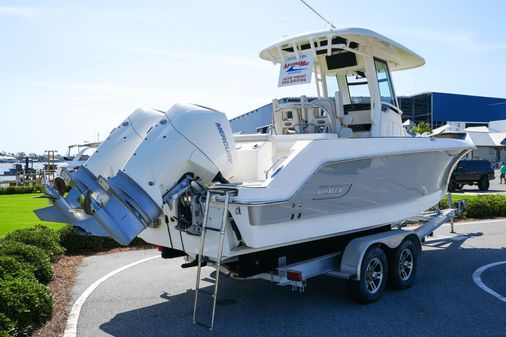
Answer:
(71, 327)
(479, 282)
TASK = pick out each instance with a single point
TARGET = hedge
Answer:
(26, 303)
(36, 257)
(66, 239)
(25, 257)
(12, 268)
(483, 206)
(73, 242)
(486, 206)
(39, 188)
(6, 326)
(39, 236)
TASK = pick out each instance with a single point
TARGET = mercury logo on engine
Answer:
(225, 141)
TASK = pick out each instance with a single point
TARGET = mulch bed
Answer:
(65, 273)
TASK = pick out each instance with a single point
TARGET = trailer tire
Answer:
(374, 273)
(403, 265)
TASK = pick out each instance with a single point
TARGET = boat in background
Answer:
(7, 159)
(77, 155)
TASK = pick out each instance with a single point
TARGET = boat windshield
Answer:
(358, 88)
(332, 85)
(384, 82)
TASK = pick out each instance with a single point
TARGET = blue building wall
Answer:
(261, 117)
(249, 122)
(464, 108)
(435, 108)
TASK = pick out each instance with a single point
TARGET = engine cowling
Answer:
(189, 140)
(118, 147)
(111, 156)
(193, 140)
(115, 150)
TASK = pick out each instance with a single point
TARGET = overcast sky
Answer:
(71, 70)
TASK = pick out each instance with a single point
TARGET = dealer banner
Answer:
(296, 70)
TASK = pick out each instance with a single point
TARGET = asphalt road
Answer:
(155, 298)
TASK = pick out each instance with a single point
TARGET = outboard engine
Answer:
(189, 141)
(114, 152)
(111, 156)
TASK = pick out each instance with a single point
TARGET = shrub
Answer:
(486, 206)
(73, 242)
(26, 303)
(36, 257)
(40, 236)
(421, 128)
(22, 189)
(11, 268)
(6, 326)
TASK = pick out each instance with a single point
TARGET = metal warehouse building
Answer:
(435, 108)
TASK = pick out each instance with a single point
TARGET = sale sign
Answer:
(296, 70)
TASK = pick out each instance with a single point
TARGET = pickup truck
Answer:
(471, 172)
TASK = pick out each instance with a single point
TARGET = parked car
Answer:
(471, 172)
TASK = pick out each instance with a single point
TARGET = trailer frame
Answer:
(346, 264)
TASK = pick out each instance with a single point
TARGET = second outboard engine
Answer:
(111, 156)
(115, 151)
(190, 141)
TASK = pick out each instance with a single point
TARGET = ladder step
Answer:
(213, 229)
(204, 325)
(194, 263)
(209, 280)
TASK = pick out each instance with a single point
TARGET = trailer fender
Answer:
(354, 252)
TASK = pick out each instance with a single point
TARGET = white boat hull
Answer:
(329, 188)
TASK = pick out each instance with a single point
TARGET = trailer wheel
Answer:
(403, 265)
(374, 272)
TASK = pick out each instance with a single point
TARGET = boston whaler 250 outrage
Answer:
(329, 172)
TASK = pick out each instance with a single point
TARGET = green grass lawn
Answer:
(16, 211)
(457, 197)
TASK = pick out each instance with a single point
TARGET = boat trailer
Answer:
(347, 264)
(363, 261)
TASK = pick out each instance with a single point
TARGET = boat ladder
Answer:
(212, 193)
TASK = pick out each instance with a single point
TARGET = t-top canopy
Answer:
(356, 40)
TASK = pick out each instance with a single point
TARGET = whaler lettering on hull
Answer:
(331, 191)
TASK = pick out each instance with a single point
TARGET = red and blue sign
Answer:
(296, 70)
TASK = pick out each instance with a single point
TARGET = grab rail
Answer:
(273, 165)
(393, 107)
